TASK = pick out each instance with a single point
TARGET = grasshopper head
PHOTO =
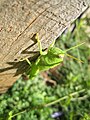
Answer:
(56, 51)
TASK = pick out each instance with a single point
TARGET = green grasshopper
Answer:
(48, 59)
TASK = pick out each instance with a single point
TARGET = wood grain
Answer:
(20, 20)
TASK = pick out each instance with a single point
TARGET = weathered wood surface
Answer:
(20, 20)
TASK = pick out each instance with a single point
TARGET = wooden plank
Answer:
(20, 20)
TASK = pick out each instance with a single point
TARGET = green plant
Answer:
(30, 97)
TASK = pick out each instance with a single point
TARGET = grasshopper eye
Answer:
(61, 56)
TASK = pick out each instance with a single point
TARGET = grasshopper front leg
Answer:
(28, 61)
(26, 58)
(39, 45)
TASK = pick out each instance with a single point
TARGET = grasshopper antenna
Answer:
(74, 58)
(75, 46)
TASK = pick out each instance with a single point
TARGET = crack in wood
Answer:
(24, 32)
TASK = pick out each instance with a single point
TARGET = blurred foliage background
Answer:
(68, 98)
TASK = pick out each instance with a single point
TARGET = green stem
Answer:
(54, 102)
(17, 114)
(63, 98)
(80, 98)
